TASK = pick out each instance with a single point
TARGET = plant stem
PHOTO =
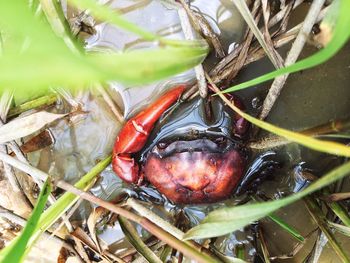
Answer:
(292, 56)
(321, 221)
(143, 211)
(183, 247)
(264, 246)
(36, 103)
(187, 29)
(134, 238)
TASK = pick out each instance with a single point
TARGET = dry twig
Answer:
(187, 29)
(292, 56)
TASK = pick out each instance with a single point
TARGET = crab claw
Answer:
(133, 136)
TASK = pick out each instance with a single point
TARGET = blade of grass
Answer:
(318, 216)
(65, 68)
(284, 225)
(67, 200)
(132, 68)
(345, 230)
(291, 230)
(307, 141)
(338, 210)
(134, 238)
(341, 35)
(225, 220)
(55, 16)
(15, 253)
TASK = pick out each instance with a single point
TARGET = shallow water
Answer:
(308, 99)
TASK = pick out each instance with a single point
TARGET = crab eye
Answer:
(162, 145)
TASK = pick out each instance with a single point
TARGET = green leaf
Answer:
(226, 220)
(41, 59)
(310, 142)
(340, 37)
(102, 12)
(16, 251)
(136, 67)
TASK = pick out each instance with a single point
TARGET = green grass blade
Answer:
(136, 67)
(55, 16)
(66, 201)
(345, 230)
(310, 142)
(226, 220)
(16, 251)
(289, 229)
(104, 13)
(340, 37)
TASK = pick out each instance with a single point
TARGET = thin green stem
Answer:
(36, 103)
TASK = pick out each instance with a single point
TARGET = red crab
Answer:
(190, 160)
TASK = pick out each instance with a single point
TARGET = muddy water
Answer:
(309, 98)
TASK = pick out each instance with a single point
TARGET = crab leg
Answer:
(133, 136)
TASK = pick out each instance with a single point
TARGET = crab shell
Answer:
(203, 162)
(205, 175)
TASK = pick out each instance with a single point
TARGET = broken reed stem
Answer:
(292, 56)
(228, 61)
(224, 67)
(202, 26)
(318, 216)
